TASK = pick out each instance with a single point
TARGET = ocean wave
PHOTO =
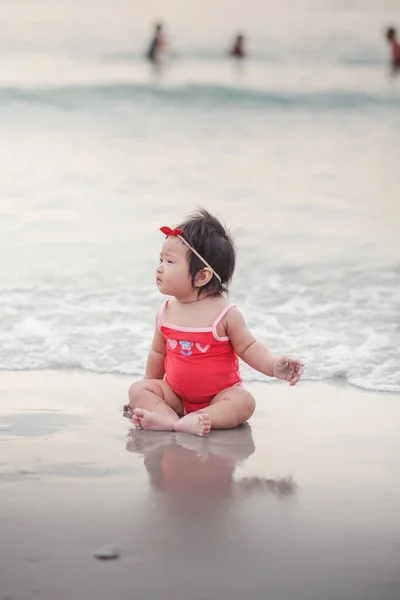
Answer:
(137, 373)
(348, 328)
(208, 95)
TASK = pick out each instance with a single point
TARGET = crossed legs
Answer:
(155, 406)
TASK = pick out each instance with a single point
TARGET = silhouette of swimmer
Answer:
(157, 44)
(391, 36)
(237, 50)
(196, 474)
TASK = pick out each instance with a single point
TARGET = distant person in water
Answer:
(157, 44)
(237, 50)
(391, 36)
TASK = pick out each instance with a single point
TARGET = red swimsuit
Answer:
(199, 364)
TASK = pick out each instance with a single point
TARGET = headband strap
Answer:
(178, 233)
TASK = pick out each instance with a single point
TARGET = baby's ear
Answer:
(203, 277)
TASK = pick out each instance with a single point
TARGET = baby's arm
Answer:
(246, 346)
(155, 361)
(256, 355)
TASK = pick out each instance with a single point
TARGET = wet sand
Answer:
(303, 504)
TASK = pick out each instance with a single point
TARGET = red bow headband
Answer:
(178, 233)
(169, 231)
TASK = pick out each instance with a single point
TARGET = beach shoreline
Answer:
(74, 476)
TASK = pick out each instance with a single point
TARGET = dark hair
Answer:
(214, 243)
(391, 33)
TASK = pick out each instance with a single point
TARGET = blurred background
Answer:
(296, 147)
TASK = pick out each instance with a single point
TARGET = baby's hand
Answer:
(288, 369)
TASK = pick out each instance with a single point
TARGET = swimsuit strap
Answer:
(161, 314)
(214, 325)
(218, 319)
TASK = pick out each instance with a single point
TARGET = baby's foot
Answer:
(144, 419)
(195, 423)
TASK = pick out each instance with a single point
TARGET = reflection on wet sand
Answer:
(187, 515)
(196, 475)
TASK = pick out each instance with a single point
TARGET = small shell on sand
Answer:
(107, 552)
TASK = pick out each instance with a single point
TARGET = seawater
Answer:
(298, 151)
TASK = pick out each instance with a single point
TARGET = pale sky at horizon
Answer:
(189, 20)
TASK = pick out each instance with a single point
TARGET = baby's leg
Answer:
(155, 406)
(227, 410)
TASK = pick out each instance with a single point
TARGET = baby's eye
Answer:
(169, 262)
(160, 260)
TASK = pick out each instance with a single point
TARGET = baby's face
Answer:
(172, 275)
